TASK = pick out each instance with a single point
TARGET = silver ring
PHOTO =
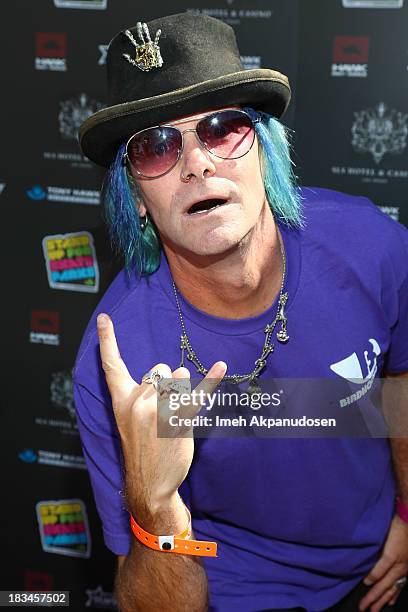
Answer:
(401, 582)
(152, 378)
(176, 387)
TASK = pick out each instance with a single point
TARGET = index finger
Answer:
(118, 379)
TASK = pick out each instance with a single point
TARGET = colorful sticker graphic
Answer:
(71, 262)
(64, 528)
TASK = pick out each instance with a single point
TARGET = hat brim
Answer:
(103, 132)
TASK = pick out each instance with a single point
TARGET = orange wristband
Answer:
(180, 543)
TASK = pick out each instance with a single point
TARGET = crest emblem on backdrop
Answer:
(379, 131)
(73, 112)
(62, 391)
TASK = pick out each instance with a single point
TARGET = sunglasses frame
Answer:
(126, 158)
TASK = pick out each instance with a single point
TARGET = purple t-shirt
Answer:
(298, 522)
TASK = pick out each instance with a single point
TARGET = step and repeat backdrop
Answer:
(347, 61)
(352, 112)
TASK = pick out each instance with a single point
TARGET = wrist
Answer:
(165, 541)
(165, 516)
(401, 510)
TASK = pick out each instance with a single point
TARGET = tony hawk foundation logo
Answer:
(357, 371)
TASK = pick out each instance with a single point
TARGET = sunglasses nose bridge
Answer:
(200, 142)
(193, 162)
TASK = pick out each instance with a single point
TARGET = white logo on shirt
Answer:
(351, 370)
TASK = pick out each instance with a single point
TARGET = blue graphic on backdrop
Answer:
(28, 456)
(36, 193)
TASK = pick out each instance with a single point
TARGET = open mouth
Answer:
(205, 206)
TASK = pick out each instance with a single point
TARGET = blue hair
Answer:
(121, 194)
(279, 179)
(141, 250)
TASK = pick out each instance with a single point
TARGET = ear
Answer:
(141, 209)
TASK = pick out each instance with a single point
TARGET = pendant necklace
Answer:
(268, 347)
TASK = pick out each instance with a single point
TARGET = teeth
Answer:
(208, 205)
(198, 212)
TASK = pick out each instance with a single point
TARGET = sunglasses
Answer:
(227, 134)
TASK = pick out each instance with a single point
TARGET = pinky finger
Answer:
(388, 597)
(393, 601)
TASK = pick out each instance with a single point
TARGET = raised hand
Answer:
(155, 466)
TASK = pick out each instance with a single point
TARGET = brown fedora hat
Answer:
(170, 67)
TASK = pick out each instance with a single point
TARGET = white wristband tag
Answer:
(168, 541)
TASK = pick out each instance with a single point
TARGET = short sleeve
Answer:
(397, 355)
(102, 452)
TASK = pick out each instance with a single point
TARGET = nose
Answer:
(196, 161)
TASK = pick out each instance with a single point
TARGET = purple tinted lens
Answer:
(227, 134)
(155, 151)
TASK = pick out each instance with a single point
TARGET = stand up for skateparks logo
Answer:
(71, 262)
(64, 528)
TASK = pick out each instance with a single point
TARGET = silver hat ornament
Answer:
(148, 54)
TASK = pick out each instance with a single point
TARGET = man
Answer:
(260, 280)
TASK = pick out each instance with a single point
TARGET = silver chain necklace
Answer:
(268, 348)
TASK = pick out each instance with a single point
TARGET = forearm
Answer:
(150, 580)
(399, 451)
(395, 406)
